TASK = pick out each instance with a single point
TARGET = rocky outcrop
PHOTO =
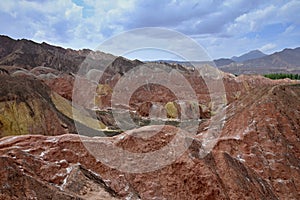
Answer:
(62, 85)
(262, 133)
(238, 86)
(26, 108)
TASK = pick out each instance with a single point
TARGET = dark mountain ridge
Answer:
(28, 54)
(254, 54)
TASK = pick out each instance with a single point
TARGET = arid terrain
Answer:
(55, 106)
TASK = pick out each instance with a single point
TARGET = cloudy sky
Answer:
(223, 28)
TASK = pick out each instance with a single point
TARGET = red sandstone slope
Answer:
(263, 133)
(257, 156)
(235, 88)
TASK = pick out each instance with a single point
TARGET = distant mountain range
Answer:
(248, 56)
(239, 59)
(255, 62)
(285, 61)
(28, 54)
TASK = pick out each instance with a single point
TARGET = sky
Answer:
(223, 28)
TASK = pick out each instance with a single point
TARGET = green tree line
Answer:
(282, 76)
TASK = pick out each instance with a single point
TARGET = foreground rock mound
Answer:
(256, 156)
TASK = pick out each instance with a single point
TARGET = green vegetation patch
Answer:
(283, 76)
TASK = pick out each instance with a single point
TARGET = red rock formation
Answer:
(62, 85)
(256, 156)
(85, 91)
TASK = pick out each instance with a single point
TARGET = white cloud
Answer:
(43, 20)
(267, 47)
(62, 22)
(289, 29)
(290, 11)
(284, 12)
(252, 21)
